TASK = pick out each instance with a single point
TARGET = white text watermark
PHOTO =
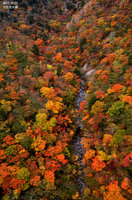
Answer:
(10, 4)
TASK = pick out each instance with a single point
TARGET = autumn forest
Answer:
(65, 100)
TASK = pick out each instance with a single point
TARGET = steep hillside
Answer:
(44, 52)
(39, 17)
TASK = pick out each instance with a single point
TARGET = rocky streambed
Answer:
(78, 147)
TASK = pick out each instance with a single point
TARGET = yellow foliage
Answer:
(69, 76)
(55, 23)
(50, 138)
(1, 180)
(20, 136)
(102, 188)
(97, 107)
(54, 106)
(38, 144)
(114, 155)
(74, 171)
(16, 193)
(87, 192)
(52, 121)
(6, 105)
(102, 155)
(48, 92)
(101, 22)
(71, 133)
(41, 119)
(6, 197)
(49, 66)
(76, 158)
(41, 165)
(49, 105)
(24, 27)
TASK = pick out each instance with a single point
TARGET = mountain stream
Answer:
(78, 147)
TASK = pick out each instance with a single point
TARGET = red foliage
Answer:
(100, 94)
(127, 160)
(9, 140)
(32, 167)
(16, 183)
(2, 155)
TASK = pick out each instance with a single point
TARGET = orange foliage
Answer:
(52, 164)
(68, 64)
(89, 154)
(1, 77)
(23, 153)
(14, 95)
(113, 23)
(127, 99)
(12, 63)
(107, 138)
(24, 27)
(61, 158)
(39, 42)
(85, 143)
(51, 151)
(85, 117)
(113, 192)
(125, 184)
(35, 181)
(75, 196)
(59, 57)
(49, 176)
(91, 38)
(69, 76)
(77, 49)
(2, 155)
(104, 78)
(9, 140)
(110, 57)
(99, 71)
(42, 145)
(97, 164)
(4, 171)
(116, 88)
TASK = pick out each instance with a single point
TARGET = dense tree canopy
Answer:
(44, 47)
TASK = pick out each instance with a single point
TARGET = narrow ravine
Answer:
(78, 147)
